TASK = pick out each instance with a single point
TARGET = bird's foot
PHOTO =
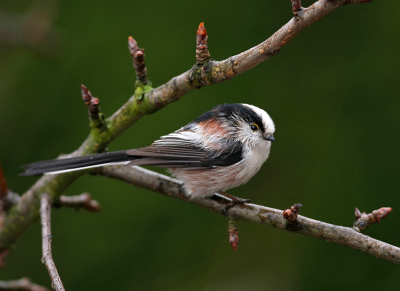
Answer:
(235, 201)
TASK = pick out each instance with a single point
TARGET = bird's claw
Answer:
(235, 201)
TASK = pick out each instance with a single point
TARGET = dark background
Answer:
(332, 92)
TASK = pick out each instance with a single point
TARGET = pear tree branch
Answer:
(288, 220)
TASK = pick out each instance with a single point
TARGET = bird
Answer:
(221, 149)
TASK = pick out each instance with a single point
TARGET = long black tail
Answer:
(77, 163)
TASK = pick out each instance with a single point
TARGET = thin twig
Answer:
(215, 72)
(365, 220)
(233, 233)
(83, 201)
(91, 102)
(202, 53)
(138, 61)
(23, 284)
(256, 213)
(47, 259)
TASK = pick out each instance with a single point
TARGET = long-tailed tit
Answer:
(220, 150)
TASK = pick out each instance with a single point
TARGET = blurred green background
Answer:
(332, 92)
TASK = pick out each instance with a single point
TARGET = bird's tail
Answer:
(77, 163)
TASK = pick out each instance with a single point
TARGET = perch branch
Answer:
(23, 284)
(255, 213)
(47, 258)
(83, 201)
(25, 212)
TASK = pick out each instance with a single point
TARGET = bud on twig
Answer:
(138, 60)
(291, 214)
(202, 53)
(233, 234)
(365, 220)
(91, 102)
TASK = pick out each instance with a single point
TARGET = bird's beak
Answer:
(270, 138)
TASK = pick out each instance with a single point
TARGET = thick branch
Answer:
(47, 258)
(25, 211)
(23, 284)
(256, 213)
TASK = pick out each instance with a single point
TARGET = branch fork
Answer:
(365, 220)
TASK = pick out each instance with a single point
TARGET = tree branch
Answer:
(255, 213)
(83, 201)
(23, 284)
(47, 258)
(214, 72)
(138, 61)
(147, 100)
(365, 220)
(91, 102)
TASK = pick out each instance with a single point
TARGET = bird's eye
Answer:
(254, 127)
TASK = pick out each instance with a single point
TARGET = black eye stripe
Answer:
(231, 112)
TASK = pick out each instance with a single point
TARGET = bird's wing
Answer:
(183, 150)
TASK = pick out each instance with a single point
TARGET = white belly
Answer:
(210, 181)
